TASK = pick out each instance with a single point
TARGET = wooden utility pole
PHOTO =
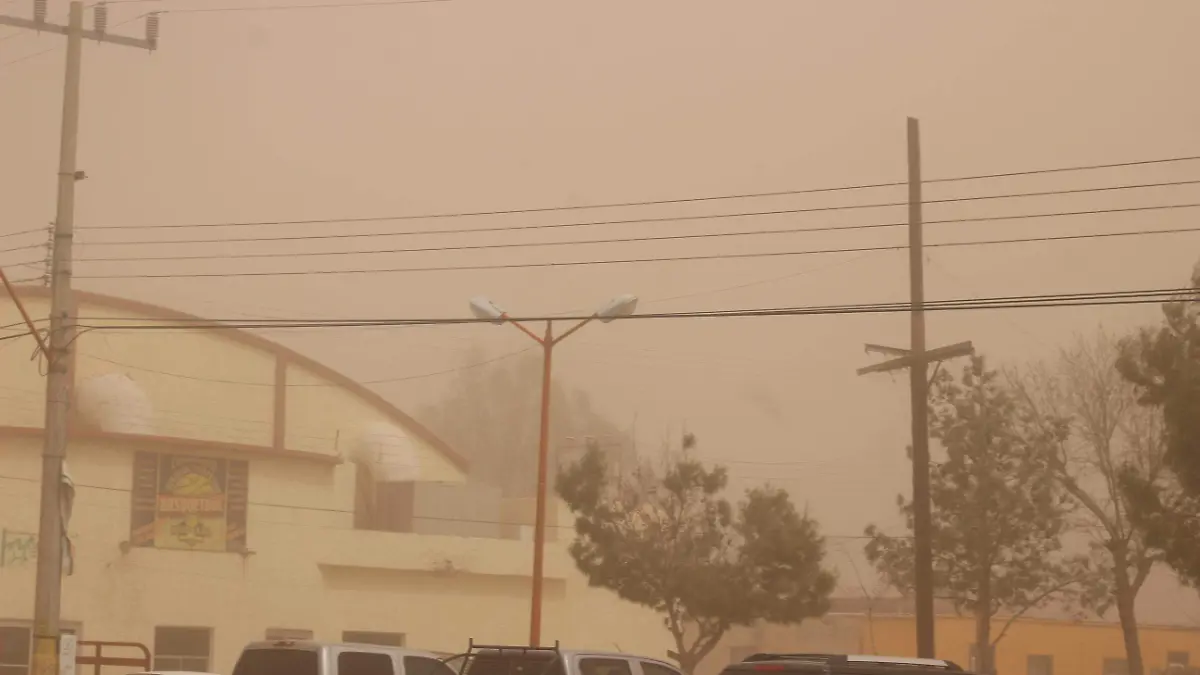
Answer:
(48, 590)
(916, 360)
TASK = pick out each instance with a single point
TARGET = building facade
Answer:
(228, 489)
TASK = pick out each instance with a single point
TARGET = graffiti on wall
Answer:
(17, 548)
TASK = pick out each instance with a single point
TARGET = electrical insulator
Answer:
(152, 28)
(39, 11)
(100, 17)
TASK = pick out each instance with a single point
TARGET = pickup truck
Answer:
(509, 660)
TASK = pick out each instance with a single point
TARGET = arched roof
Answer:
(369, 397)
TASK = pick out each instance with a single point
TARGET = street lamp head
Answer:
(483, 308)
(622, 305)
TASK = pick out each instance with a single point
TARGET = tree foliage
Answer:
(998, 513)
(669, 541)
(1163, 363)
(1107, 433)
(492, 413)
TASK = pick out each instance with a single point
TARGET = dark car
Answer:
(839, 664)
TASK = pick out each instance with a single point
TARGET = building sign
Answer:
(17, 548)
(68, 649)
(189, 503)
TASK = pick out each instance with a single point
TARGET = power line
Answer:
(651, 202)
(478, 230)
(758, 282)
(473, 247)
(273, 8)
(635, 261)
(1086, 167)
(548, 226)
(291, 385)
(21, 232)
(22, 248)
(34, 55)
(997, 302)
(27, 57)
(264, 8)
(325, 509)
(618, 240)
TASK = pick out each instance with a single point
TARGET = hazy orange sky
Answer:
(497, 104)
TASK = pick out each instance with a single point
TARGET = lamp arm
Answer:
(574, 328)
(521, 327)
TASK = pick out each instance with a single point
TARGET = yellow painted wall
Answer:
(309, 569)
(1078, 648)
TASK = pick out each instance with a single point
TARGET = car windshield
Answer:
(277, 662)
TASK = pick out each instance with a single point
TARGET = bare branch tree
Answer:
(1108, 433)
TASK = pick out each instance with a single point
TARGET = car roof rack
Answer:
(770, 656)
(475, 650)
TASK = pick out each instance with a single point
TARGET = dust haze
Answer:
(571, 125)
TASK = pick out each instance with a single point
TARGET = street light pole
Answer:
(539, 517)
(484, 309)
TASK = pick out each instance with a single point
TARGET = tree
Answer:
(491, 413)
(998, 514)
(669, 541)
(1107, 433)
(1164, 366)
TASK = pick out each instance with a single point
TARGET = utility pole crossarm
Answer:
(908, 361)
(149, 44)
(882, 349)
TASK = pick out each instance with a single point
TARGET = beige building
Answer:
(229, 489)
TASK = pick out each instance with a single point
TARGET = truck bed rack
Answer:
(551, 655)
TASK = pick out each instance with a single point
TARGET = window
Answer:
(289, 634)
(382, 506)
(363, 637)
(16, 647)
(178, 648)
(420, 665)
(1116, 667)
(364, 663)
(15, 650)
(593, 666)
(515, 662)
(277, 662)
(1177, 658)
(651, 668)
(1039, 664)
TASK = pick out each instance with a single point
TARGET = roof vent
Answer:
(389, 452)
(114, 402)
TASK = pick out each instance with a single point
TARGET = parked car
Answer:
(306, 657)
(519, 660)
(839, 664)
